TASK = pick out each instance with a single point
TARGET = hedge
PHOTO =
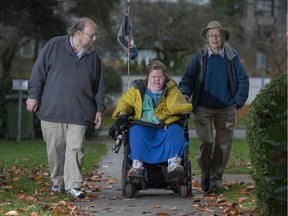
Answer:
(267, 137)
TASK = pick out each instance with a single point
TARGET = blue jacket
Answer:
(192, 82)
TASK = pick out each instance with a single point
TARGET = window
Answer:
(264, 8)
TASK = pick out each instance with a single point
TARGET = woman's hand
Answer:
(121, 113)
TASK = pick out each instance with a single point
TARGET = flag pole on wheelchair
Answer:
(126, 39)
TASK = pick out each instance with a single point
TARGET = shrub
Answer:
(267, 137)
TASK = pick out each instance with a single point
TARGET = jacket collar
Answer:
(228, 50)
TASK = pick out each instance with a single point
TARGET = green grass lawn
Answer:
(24, 177)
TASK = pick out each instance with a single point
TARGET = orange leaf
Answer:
(27, 198)
(243, 191)
(162, 213)
(242, 199)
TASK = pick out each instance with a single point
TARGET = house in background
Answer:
(264, 18)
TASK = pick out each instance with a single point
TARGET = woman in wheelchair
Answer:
(154, 106)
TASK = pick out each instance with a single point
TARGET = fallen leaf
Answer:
(251, 187)
(243, 191)
(63, 203)
(203, 208)
(210, 198)
(112, 198)
(6, 187)
(12, 213)
(195, 183)
(58, 211)
(162, 213)
(27, 198)
(242, 199)
(16, 179)
(34, 214)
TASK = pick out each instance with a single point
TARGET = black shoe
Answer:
(214, 188)
(205, 184)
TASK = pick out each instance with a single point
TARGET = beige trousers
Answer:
(65, 150)
(214, 151)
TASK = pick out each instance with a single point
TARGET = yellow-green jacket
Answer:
(171, 103)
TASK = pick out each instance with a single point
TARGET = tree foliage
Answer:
(172, 32)
(26, 20)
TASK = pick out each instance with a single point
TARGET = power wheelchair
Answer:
(154, 175)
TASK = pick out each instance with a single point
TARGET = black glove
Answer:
(118, 126)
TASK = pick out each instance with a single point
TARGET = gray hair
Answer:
(80, 25)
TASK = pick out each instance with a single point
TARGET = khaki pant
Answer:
(214, 151)
(65, 152)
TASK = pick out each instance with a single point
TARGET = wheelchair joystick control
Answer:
(117, 144)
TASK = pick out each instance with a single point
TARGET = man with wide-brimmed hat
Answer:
(218, 84)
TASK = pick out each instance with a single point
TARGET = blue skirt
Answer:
(156, 145)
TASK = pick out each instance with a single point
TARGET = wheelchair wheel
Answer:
(125, 168)
(189, 179)
(183, 191)
(130, 190)
(187, 167)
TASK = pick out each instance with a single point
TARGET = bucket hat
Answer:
(215, 25)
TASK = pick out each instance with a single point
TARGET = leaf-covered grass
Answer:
(25, 185)
(241, 194)
(235, 198)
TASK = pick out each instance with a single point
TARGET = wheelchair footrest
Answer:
(175, 176)
(136, 179)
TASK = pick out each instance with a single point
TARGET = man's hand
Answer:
(31, 105)
(98, 120)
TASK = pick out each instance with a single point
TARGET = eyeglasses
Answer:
(214, 35)
(91, 35)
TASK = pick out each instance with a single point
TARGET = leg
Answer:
(203, 124)
(74, 156)
(55, 137)
(175, 141)
(175, 144)
(135, 151)
(225, 121)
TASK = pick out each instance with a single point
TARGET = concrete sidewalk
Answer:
(109, 200)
